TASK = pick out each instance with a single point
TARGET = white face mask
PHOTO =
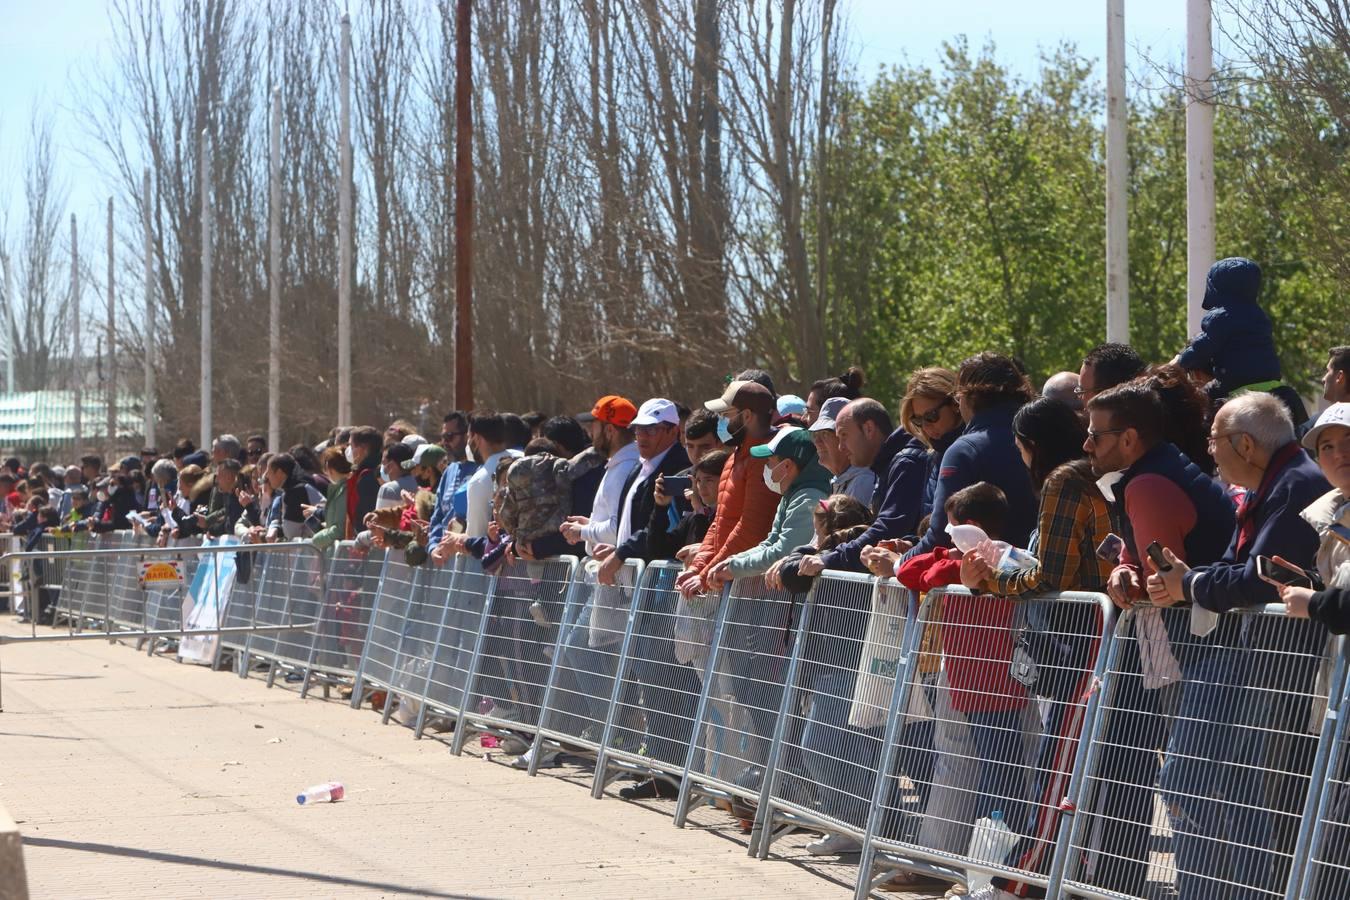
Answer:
(769, 482)
(350, 454)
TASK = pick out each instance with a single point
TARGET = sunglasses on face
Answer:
(931, 417)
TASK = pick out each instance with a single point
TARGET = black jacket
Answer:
(642, 495)
(1331, 608)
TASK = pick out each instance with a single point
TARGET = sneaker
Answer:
(547, 761)
(833, 845)
(513, 745)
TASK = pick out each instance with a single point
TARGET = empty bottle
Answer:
(328, 792)
(989, 843)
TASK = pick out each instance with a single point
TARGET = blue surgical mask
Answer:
(723, 432)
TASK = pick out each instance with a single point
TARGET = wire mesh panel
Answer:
(825, 769)
(744, 693)
(519, 639)
(353, 581)
(165, 604)
(45, 580)
(126, 599)
(661, 678)
(417, 642)
(79, 584)
(987, 738)
(465, 589)
(581, 685)
(379, 661)
(302, 598)
(249, 583)
(1327, 873)
(1201, 757)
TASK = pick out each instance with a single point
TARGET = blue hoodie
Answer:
(901, 467)
(1236, 341)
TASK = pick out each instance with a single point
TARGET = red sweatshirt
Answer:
(976, 636)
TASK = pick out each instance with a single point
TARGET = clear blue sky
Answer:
(44, 40)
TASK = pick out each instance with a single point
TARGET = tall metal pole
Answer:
(76, 367)
(205, 433)
(9, 320)
(463, 207)
(112, 340)
(345, 230)
(1117, 179)
(149, 402)
(1199, 157)
(274, 279)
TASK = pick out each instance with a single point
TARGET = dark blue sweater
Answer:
(901, 468)
(985, 452)
(1276, 529)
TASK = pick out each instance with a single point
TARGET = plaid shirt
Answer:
(1074, 518)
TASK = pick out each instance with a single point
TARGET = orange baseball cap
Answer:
(617, 411)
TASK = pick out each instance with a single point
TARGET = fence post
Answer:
(457, 746)
(370, 626)
(457, 568)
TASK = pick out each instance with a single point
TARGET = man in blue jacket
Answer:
(1234, 700)
(900, 463)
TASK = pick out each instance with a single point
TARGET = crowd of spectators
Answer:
(1207, 456)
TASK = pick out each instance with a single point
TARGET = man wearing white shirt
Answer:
(610, 424)
(657, 433)
(487, 442)
(585, 673)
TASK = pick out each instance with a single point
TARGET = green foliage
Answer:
(966, 211)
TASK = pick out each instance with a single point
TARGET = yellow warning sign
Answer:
(162, 572)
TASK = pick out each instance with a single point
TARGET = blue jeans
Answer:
(841, 760)
(1213, 780)
(670, 689)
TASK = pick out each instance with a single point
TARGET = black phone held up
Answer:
(1155, 553)
(676, 485)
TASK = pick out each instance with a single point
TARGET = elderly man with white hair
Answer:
(1232, 699)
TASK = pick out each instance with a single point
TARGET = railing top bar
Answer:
(197, 550)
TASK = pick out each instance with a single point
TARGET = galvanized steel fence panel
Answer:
(353, 582)
(466, 590)
(379, 660)
(520, 633)
(660, 679)
(743, 695)
(584, 669)
(824, 768)
(1200, 760)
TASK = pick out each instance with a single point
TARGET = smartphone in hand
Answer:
(1155, 553)
(1279, 574)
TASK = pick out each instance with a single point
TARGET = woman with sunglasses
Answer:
(929, 412)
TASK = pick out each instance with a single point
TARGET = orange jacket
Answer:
(745, 509)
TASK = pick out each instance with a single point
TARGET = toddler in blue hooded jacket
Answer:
(1236, 343)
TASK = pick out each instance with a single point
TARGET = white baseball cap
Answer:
(1335, 414)
(829, 414)
(657, 411)
(414, 441)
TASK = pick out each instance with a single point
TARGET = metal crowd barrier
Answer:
(1212, 740)
(518, 637)
(658, 682)
(1042, 743)
(824, 764)
(742, 699)
(579, 693)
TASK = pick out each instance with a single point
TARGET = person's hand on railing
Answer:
(976, 572)
(1295, 600)
(880, 560)
(609, 567)
(689, 582)
(773, 579)
(810, 566)
(718, 575)
(1123, 587)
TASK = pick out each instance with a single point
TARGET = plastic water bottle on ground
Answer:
(328, 792)
(989, 843)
